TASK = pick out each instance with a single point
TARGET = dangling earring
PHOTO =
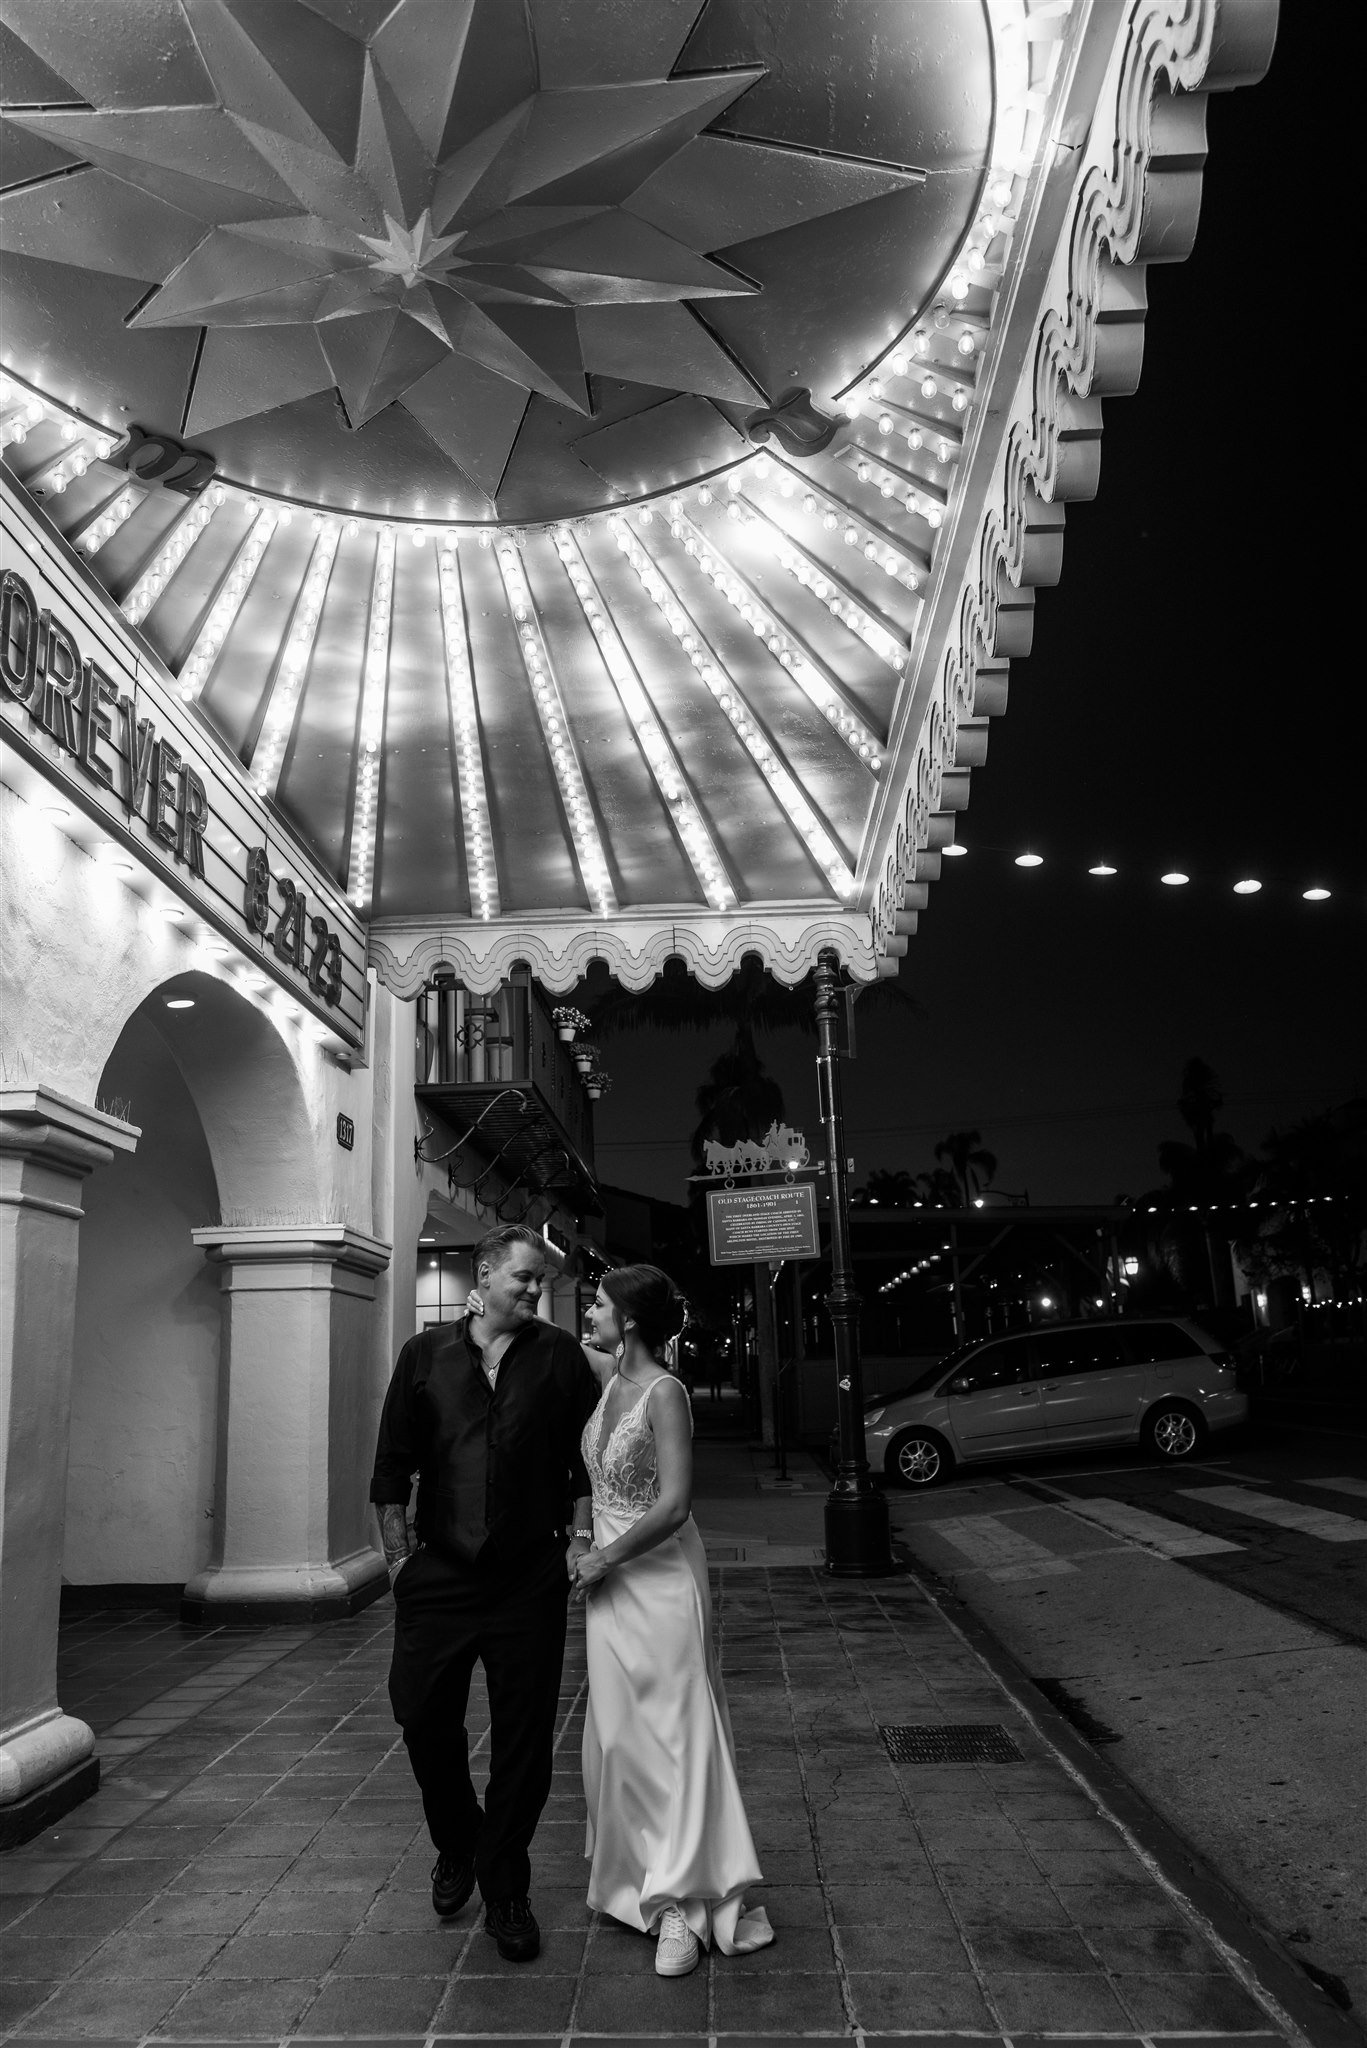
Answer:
(620, 1353)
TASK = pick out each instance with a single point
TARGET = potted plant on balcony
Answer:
(585, 1057)
(567, 1020)
(597, 1083)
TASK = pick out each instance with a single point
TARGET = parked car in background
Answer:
(1159, 1382)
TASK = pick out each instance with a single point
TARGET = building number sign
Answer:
(308, 944)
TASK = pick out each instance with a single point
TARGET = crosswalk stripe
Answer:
(1123, 1518)
(1285, 1514)
(1358, 1486)
(1001, 1553)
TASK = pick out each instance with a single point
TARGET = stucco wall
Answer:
(145, 1368)
(84, 948)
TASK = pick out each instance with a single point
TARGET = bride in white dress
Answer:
(670, 1845)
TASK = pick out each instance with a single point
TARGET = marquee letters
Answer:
(70, 698)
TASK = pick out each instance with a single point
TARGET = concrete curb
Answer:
(1271, 1976)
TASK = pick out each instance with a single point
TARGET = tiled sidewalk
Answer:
(254, 1866)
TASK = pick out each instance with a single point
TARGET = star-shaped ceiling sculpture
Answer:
(388, 200)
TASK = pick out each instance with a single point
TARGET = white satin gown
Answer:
(666, 1823)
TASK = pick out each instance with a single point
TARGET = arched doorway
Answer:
(145, 1367)
(221, 1385)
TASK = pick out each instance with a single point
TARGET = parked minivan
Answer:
(1162, 1383)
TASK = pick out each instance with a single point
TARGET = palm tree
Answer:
(751, 1000)
(970, 1163)
(1208, 1173)
(887, 1190)
(939, 1188)
(738, 1100)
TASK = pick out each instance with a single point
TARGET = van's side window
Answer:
(1074, 1351)
(996, 1365)
(1152, 1343)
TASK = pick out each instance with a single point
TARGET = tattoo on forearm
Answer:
(394, 1533)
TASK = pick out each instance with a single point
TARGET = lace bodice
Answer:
(621, 1465)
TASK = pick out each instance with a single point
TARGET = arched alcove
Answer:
(144, 1389)
(225, 1138)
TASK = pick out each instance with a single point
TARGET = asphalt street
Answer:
(1207, 1627)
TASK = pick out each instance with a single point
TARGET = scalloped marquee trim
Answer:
(634, 949)
(1136, 201)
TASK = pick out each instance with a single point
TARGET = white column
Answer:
(294, 1535)
(48, 1144)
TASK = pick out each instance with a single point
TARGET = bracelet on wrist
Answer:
(587, 1534)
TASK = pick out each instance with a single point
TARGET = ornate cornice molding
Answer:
(1136, 200)
(634, 949)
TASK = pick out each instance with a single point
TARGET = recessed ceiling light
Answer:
(1029, 860)
(172, 912)
(1315, 895)
(1249, 888)
(1102, 868)
(1175, 879)
(956, 849)
(180, 1002)
(57, 812)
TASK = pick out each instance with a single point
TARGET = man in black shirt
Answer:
(489, 1412)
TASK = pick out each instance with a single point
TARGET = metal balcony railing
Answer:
(472, 1047)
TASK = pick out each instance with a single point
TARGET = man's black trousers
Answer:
(513, 1620)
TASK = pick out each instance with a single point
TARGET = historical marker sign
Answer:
(747, 1224)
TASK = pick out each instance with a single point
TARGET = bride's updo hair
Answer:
(651, 1300)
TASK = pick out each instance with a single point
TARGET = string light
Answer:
(919, 497)
(790, 652)
(872, 543)
(150, 585)
(374, 700)
(62, 469)
(460, 690)
(555, 729)
(104, 524)
(654, 742)
(840, 601)
(1173, 878)
(294, 661)
(662, 594)
(232, 590)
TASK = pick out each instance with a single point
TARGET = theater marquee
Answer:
(83, 703)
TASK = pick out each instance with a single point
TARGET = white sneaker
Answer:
(677, 1951)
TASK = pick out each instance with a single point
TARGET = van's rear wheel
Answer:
(918, 1458)
(1173, 1432)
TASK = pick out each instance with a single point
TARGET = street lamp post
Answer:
(858, 1537)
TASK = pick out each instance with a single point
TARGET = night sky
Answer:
(1192, 701)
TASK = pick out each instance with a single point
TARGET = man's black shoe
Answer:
(453, 1880)
(513, 1926)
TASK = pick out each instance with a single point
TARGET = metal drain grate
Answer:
(963, 1742)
